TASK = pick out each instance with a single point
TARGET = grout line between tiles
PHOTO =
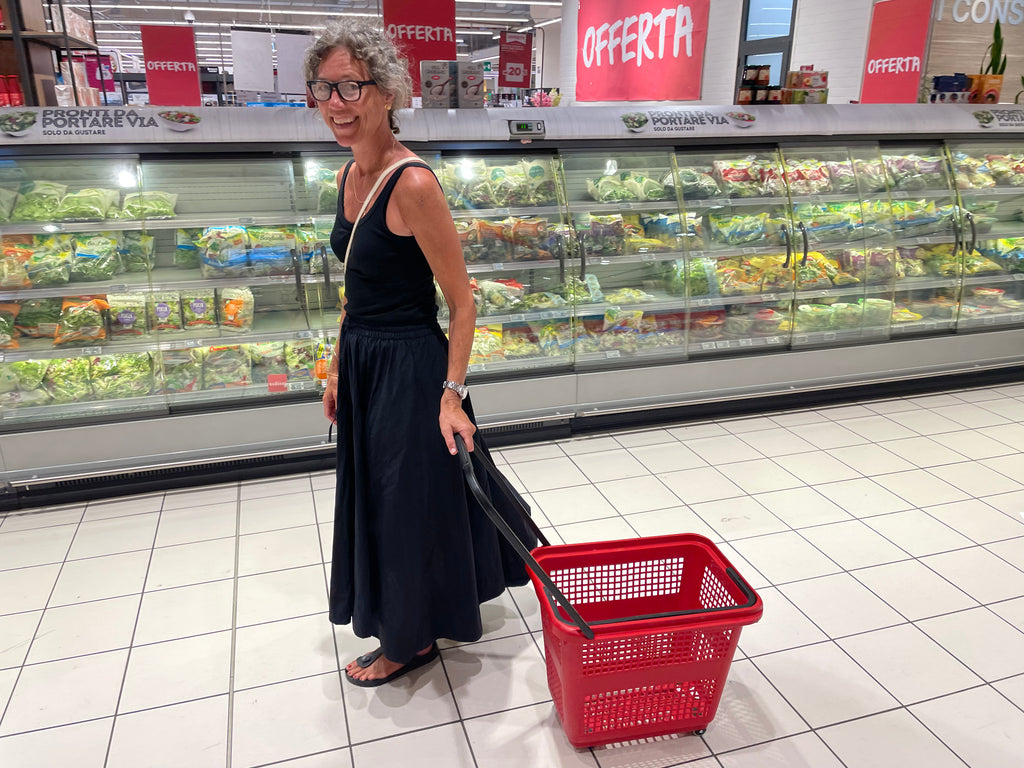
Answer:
(229, 736)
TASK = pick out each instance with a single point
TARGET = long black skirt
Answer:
(414, 555)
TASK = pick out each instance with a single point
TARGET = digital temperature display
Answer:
(526, 128)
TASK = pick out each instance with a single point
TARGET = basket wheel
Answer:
(700, 731)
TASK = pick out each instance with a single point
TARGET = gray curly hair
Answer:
(367, 42)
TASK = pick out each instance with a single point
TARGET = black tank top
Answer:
(388, 280)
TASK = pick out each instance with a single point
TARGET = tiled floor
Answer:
(886, 539)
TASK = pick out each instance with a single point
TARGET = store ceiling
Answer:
(117, 21)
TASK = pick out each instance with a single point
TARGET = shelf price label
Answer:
(498, 267)
(709, 345)
(303, 334)
(647, 257)
(613, 354)
(89, 351)
(476, 367)
(746, 342)
(516, 318)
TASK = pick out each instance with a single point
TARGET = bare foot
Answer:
(379, 669)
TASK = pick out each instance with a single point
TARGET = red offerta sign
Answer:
(172, 73)
(640, 50)
(515, 59)
(423, 31)
(896, 49)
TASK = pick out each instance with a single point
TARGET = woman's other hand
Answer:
(331, 398)
(453, 420)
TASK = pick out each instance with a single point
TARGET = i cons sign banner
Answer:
(640, 50)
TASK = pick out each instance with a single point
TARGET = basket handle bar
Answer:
(510, 536)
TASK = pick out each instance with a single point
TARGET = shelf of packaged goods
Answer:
(233, 394)
(731, 252)
(733, 202)
(526, 318)
(1009, 230)
(987, 322)
(512, 266)
(519, 212)
(55, 412)
(993, 279)
(277, 326)
(930, 325)
(838, 336)
(708, 346)
(904, 240)
(162, 279)
(318, 278)
(512, 365)
(179, 222)
(668, 205)
(926, 283)
(920, 194)
(651, 354)
(648, 257)
(997, 191)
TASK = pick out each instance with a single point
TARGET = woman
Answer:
(412, 557)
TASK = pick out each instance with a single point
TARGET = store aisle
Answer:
(886, 539)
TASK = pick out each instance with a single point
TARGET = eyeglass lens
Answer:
(348, 90)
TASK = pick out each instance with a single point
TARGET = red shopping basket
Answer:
(638, 634)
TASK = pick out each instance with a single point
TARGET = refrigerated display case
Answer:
(169, 306)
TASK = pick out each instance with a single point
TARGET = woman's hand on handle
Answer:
(453, 420)
(331, 398)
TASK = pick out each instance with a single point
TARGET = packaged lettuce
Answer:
(301, 358)
(30, 373)
(643, 187)
(8, 333)
(149, 205)
(87, 205)
(13, 273)
(115, 376)
(95, 258)
(199, 308)
(82, 321)
(38, 201)
(8, 378)
(48, 268)
(163, 310)
(24, 399)
(271, 237)
(225, 252)
(127, 315)
(267, 358)
(8, 197)
(738, 230)
(694, 182)
(137, 252)
(226, 367)
(237, 309)
(540, 181)
(68, 381)
(186, 252)
(182, 371)
(38, 317)
(739, 178)
(609, 189)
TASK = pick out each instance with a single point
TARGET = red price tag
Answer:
(277, 382)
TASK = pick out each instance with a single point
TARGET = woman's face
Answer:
(352, 121)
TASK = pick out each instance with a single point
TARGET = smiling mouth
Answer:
(342, 122)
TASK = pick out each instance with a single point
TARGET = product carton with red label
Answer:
(437, 84)
(471, 85)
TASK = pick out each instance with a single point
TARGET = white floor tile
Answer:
(801, 507)
(83, 746)
(1007, 407)
(845, 412)
(27, 589)
(824, 685)
(1012, 611)
(1008, 434)
(1011, 466)
(745, 424)
(184, 564)
(281, 595)
(121, 507)
(785, 557)
(200, 523)
(444, 747)
(917, 532)
(285, 720)
(979, 573)
(548, 474)
(921, 488)
(889, 740)
(818, 467)
(981, 640)
(638, 494)
(798, 418)
(696, 485)
(40, 518)
(863, 497)
(914, 590)
(574, 505)
(101, 577)
(1009, 503)
(853, 544)
(672, 457)
(925, 422)
(981, 394)
(40, 546)
(323, 503)
(283, 650)
(979, 725)
(75, 630)
(1013, 689)
(970, 416)
(643, 437)
(277, 550)
(827, 434)
(923, 452)
(595, 444)
(878, 428)
(169, 614)
(296, 485)
(761, 475)
(870, 459)
(480, 675)
(977, 520)
(896, 405)
(335, 758)
(63, 692)
(840, 605)
(722, 449)
(607, 529)
(663, 522)
(322, 481)
(214, 495)
(751, 711)
(738, 518)
(976, 479)
(177, 670)
(273, 513)
(908, 663)
(528, 736)
(119, 534)
(534, 452)
(973, 445)
(936, 401)
(802, 751)
(776, 441)
(17, 631)
(193, 734)
(1012, 551)
(698, 431)
(782, 626)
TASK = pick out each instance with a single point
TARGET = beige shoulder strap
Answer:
(384, 175)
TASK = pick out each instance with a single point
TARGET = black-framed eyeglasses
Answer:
(347, 90)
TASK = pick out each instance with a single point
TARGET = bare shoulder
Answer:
(418, 187)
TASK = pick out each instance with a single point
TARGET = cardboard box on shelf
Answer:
(805, 96)
(77, 25)
(45, 90)
(437, 84)
(804, 78)
(33, 17)
(470, 76)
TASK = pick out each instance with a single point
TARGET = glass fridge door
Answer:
(990, 185)
(630, 299)
(845, 251)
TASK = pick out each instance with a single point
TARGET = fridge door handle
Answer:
(803, 234)
(974, 232)
(789, 246)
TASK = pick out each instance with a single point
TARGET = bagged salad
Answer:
(116, 376)
(82, 321)
(237, 308)
(96, 258)
(149, 205)
(738, 229)
(8, 197)
(182, 371)
(87, 205)
(127, 315)
(487, 344)
(540, 181)
(163, 311)
(30, 373)
(694, 182)
(301, 357)
(267, 359)
(199, 308)
(13, 273)
(225, 252)
(137, 252)
(38, 201)
(8, 332)
(186, 252)
(225, 367)
(68, 381)
(48, 268)
(38, 317)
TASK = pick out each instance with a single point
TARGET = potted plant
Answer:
(991, 84)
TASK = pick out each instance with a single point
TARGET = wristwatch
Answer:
(460, 389)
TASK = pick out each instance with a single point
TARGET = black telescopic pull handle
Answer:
(789, 246)
(517, 545)
(803, 233)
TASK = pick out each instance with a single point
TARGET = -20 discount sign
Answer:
(515, 57)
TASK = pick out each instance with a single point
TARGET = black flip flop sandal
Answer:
(366, 660)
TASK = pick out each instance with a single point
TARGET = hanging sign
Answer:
(640, 50)
(172, 73)
(515, 59)
(423, 31)
(896, 50)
